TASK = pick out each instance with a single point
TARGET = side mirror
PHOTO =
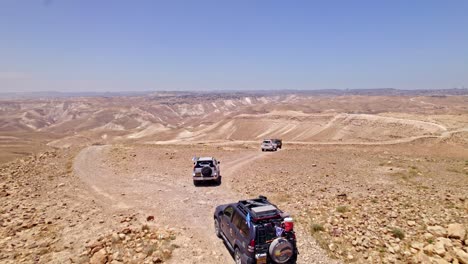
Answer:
(219, 162)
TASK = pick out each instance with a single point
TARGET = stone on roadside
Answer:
(421, 258)
(439, 248)
(417, 245)
(99, 257)
(437, 230)
(429, 249)
(456, 231)
(462, 256)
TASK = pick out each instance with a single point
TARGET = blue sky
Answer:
(73, 45)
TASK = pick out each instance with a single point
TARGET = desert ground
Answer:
(367, 178)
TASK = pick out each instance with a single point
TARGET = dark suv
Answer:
(278, 142)
(256, 231)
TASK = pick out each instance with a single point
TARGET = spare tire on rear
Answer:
(206, 171)
(281, 250)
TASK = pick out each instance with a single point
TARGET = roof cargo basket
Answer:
(259, 208)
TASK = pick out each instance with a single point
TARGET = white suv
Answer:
(206, 169)
(268, 144)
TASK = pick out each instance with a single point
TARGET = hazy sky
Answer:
(73, 45)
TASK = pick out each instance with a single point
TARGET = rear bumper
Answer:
(268, 148)
(248, 260)
(201, 178)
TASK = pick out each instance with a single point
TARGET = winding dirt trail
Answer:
(174, 202)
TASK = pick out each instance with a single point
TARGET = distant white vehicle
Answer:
(206, 169)
(269, 145)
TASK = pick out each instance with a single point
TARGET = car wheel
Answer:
(237, 256)
(195, 183)
(217, 230)
(218, 181)
(206, 171)
(281, 251)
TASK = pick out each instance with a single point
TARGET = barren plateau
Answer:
(367, 178)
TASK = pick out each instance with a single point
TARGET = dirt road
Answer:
(173, 200)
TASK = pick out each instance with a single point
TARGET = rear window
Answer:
(204, 163)
(266, 233)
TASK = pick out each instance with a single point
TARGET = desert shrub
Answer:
(397, 233)
(342, 209)
(314, 228)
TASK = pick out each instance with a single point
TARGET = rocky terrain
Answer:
(48, 216)
(373, 204)
(368, 179)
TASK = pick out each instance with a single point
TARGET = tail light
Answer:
(251, 247)
(293, 236)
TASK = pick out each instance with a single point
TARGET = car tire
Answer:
(206, 171)
(281, 251)
(217, 228)
(237, 256)
(195, 183)
(218, 181)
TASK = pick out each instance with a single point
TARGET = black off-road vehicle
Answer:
(256, 231)
(278, 142)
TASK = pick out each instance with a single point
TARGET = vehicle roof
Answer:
(205, 158)
(258, 208)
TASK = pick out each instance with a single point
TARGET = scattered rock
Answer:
(462, 256)
(99, 257)
(417, 245)
(437, 230)
(456, 231)
(439, 248)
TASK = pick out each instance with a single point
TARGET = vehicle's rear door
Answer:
(226, 219)
(242, 231)
(235, 224)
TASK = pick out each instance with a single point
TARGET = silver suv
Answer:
(269, 144)
(206, 169)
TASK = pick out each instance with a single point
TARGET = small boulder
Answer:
(429, 249)
(446, 242)
(421, 258)
(438, 260)
(99, 257)
(456, 231)
(462, 256)
(437, 230)
(439, 248)
(417, 245)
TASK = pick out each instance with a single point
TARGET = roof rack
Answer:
(259, 208)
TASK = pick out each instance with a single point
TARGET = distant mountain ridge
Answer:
(320, 92)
